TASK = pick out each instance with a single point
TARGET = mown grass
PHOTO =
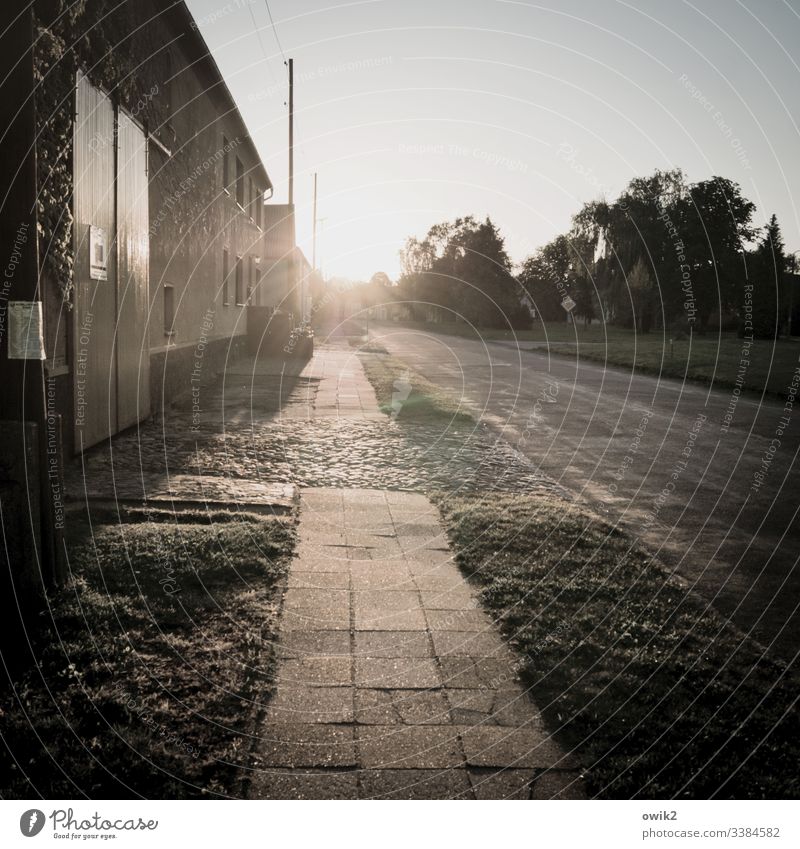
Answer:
(714, 359)
(160, 651)
(406, 394)
(657, 694)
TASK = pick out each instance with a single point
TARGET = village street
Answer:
(391, 681)
(651, 454)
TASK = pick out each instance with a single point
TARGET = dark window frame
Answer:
(226, 270)
(239, 278)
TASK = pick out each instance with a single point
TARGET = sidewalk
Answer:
(392, 682)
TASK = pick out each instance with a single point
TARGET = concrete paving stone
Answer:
(501, 746)
(429, 556)
(408, 747)
(558, 784)
(316, 565)
(316, 672)
(299, 704)
(414, 784)
(510, 707)
(458, 620)
(318, 551)
(300, 745)
(315, 619)
(439, 582)
(392, 644)
(364, 497)
(459, 598)
(502, 784)
(420, 532)
(375, 579)
(386, 599)
(478, 673)
(319, 580)
(324, 533)
(414, 673)
(389, 620)
(357, 555)
(295, 598)
(401, 707)
(460, 673)
(300, 643)
(304, 784)
(470, 644)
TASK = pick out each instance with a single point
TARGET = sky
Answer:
(417, 111)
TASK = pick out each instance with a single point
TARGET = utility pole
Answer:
(314, 230)
(291, 132)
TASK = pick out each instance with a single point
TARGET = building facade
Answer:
(154, 232)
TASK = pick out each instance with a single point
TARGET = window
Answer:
(239, 182)
(226, 171)
(257, 298)
(225, 272)
(259, 204)
(239, 282)
(169, 309)
(251, 200)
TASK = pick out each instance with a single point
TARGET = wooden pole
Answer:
(291, 132)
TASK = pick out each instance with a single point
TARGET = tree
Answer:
(463, 267)
(766, 266)
(715, 223)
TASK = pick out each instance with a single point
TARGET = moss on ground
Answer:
(160, 653)
(658, 695)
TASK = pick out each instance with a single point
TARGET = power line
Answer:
(275, 31)
(263, 49)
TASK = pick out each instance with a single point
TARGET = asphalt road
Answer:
(718, 504)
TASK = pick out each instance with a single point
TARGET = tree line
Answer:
(664, 254)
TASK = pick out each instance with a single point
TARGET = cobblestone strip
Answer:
(393, 683)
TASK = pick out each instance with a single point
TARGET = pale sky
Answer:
(416, 111)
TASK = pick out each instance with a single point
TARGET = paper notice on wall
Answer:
(25, 330)
(98, 253)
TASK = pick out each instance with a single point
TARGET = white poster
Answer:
(25, 330)
(98, 253)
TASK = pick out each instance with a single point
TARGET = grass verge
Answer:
(407, 395)
(656, 693)
(713, 359)
(160, 653)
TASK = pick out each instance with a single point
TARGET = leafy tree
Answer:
(766, 266)
(463, 267)
(715, 222)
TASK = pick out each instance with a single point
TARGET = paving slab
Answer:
(414, 784)
(392, 682)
